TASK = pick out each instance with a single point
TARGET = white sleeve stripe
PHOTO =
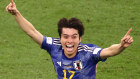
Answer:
(96, 50)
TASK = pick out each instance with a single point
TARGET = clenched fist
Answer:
(11, 8)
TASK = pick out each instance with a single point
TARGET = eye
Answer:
(74, 37)
(65, 36)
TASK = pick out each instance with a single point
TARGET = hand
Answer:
(127, 39)
(11, 8)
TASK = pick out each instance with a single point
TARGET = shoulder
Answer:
(50, 43)
(53, 41)
(86, 47)
(56, 41)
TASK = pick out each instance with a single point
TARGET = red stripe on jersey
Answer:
(95, 70)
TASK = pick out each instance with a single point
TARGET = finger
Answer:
(128, 32)
(7, 8)
(12, 1)
(127, 38)
(130, 40)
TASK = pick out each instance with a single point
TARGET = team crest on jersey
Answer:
(78, 65)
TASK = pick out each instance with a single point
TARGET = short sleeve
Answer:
(96, 53)
(47, 43)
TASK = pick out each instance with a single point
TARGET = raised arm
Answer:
(117, 48)
(25, 25)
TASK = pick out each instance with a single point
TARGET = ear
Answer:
(80, 39)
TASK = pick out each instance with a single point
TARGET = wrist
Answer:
(122, 46)
(16, 13)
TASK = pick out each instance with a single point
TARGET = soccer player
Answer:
(71, 58)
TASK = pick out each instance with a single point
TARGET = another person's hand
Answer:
(11, 8)
(127, 39)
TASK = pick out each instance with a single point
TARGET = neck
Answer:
(70, 55)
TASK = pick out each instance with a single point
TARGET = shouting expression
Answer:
(70, 40)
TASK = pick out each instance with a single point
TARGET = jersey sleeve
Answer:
(96, 53)
(47, 43)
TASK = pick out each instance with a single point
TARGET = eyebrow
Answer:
(70, 35)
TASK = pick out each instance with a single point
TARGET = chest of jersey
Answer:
(73, 68)
(82, 66)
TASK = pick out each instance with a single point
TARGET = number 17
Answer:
(65, 73)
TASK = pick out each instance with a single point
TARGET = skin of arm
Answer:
(116, 49)
(113, 50)
(25, 25)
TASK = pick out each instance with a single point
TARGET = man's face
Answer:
(70, 40)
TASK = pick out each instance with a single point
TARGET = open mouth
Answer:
(69, 48)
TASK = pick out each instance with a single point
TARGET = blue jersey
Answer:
(81, 66)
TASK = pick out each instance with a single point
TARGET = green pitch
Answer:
(106, 22)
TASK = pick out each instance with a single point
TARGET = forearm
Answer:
(25, 25)
(28, 28)
(115, 49)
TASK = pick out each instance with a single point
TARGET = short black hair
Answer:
(71, 23)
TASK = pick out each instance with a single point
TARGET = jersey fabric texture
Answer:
(81, 66)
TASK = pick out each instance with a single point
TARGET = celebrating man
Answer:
(71, 58)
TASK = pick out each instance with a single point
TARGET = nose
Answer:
(70, 40)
